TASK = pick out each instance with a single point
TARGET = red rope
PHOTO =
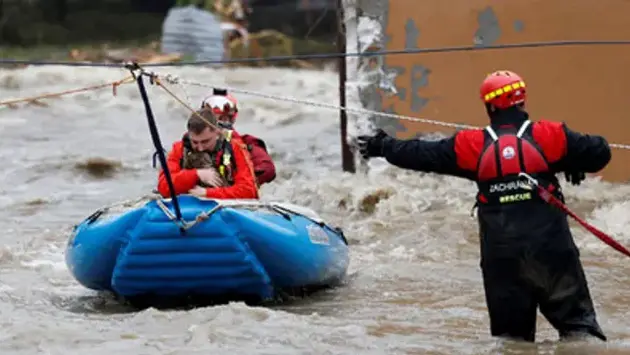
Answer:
(554, 201)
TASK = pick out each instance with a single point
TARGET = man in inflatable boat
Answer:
(528, 256)
(209, 162)
(225, 107)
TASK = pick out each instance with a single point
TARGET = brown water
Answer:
(414, 287)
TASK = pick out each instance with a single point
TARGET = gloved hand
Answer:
(372, 146)
(575, 178)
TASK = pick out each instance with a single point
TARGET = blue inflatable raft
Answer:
(242, 248)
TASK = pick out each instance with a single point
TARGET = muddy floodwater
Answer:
(414, 284)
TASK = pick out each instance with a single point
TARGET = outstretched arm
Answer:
(587, 153)
(428, 156)
(571, 152)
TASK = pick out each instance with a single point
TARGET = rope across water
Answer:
(160, 79)
(172, 79)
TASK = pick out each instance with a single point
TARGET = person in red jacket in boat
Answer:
(228, 172)
(225, 107)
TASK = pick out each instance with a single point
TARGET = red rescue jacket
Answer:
(238, 171)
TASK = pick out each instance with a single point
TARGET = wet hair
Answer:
(197, 125)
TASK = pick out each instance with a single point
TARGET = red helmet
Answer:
(503, 89)
(221, 105)
(235, 103)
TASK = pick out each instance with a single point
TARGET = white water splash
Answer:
(416, 284)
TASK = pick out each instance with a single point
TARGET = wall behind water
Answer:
(585, 86)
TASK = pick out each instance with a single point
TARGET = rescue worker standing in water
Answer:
(229, 155)
(528, 256)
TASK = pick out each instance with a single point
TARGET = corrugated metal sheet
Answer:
(192, 31)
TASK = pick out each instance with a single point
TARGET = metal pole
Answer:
(347, 158)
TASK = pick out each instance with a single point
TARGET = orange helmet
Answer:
(503, 89)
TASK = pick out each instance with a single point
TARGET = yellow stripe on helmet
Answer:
(503, 90)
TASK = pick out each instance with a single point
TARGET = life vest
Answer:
(507, 152)
(223, 157)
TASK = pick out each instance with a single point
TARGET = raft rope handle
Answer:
(205, 215)
(548, 197)
(133, 202)
(170, 78)
(184, 224)
(113, 84)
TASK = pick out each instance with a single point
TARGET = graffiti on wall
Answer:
(444, 85)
